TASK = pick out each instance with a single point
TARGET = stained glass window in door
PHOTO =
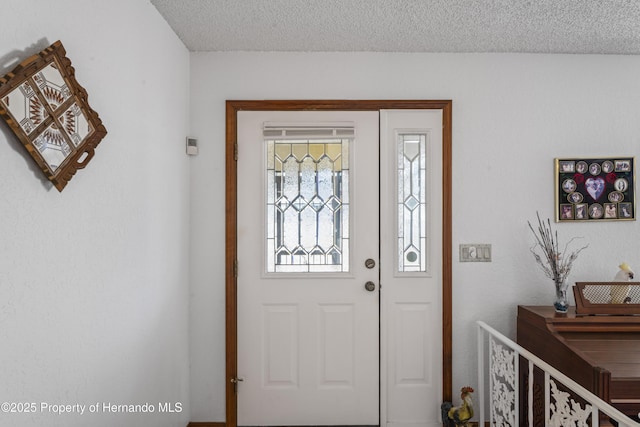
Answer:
(412, 195)
(308, 199)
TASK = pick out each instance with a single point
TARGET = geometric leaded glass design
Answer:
(412, 183)
(308, 205)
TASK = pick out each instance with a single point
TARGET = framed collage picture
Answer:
(595, 189)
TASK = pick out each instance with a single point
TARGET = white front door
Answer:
(307, 222)
(310, 249)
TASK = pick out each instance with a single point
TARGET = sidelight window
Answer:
(412, 182)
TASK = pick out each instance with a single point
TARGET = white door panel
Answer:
(411, 299)
(307, 342)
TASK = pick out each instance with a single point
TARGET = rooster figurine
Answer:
(620, 293)
(458, 416)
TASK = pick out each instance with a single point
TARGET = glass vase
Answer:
(561, 303)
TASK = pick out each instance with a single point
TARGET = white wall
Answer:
(94, 280)
(512, 115)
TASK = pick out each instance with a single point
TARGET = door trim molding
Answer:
(231, 242)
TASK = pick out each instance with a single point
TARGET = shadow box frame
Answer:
(595, 189)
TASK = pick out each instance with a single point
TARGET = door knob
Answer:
(370, 286)
(235, 381)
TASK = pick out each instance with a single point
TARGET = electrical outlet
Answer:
(475, 252)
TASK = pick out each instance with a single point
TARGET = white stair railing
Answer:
(560, 409)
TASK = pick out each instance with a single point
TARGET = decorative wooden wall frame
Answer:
(49, 112)
(611, 298)
(595, 189)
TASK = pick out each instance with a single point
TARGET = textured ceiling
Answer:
(539, 26)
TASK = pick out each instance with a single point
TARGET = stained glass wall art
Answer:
(48, 111)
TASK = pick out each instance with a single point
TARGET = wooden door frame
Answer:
(231, 210)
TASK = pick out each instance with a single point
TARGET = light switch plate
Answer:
(475, 252)
(192, 146)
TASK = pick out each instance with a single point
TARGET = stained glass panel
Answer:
(307, 204)
(412, 237)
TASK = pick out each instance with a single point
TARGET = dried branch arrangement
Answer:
(555, 264)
